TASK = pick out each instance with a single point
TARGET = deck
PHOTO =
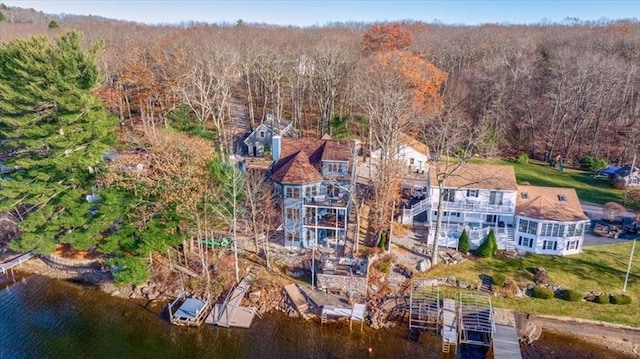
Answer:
(4, 267)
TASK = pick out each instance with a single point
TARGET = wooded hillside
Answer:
(570, 89)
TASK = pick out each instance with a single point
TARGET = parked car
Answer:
(630, 225)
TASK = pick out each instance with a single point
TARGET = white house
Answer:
(477, 198)
(480, 198)
(550, 220)
(413, 153)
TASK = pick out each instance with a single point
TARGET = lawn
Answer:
(599, 268)
(538, 173)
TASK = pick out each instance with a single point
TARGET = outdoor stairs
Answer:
(420, 207)
(486, 284)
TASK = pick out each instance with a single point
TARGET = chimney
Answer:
(276, 141)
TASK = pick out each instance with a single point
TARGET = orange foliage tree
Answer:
(386, 37)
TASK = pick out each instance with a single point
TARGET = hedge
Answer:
(542, 293)
(602, 299)
(621, 299)
(571, 295)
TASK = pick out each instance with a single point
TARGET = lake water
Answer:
(45, 318)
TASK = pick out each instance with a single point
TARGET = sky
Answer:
(313, 13)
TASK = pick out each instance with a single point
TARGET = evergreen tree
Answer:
(489, 246)
(463, 242)
(54, 135)
(2, 17)
(53, 24)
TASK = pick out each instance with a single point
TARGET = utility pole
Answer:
(626, 278)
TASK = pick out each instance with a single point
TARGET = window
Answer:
(472, 193)
(552, 230)
(495, 198)
(311, 191)
(562, 198)
(333, 190)
(550, 245)
(525, 242)
(573, 245)
(524, 195)
(529, 227)
(292, 192)
(449, 194)
(292, 214)
(261, 134)
(411, 161)
(334, 167)
(492, 218)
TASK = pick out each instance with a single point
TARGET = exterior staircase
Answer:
(420, 207)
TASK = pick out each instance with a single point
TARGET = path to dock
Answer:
(506, 344)
(4, 267)
(232, 303)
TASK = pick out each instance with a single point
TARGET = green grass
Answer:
(538, 173)
(600, 268)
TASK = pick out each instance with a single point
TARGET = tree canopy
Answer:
(54, 134)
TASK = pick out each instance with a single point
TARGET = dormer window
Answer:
(524, 195)
(562, 198)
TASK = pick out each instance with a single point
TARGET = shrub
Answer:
(53, 24)
(602, 299)
(2, 17)
(463, 242)
(593, 164)
(489, 247)
(542, 293)
(128, 270)
(499, 279)
(522, 159)
(540, 276)
(621, 299)
(571, 295)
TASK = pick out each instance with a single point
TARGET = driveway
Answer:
(595, 213)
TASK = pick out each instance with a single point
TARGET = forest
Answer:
(161, 94)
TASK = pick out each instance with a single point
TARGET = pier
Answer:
(6, 266)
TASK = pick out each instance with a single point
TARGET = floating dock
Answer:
(230, 313)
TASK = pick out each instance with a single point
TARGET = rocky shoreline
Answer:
(268, 296)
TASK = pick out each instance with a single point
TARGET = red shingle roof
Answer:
(301, 158)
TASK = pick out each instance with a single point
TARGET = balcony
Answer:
(328, 221)
(326, 201)
(468, 206)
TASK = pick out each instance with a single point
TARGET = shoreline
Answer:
(621, 338)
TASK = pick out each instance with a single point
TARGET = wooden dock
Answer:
(4, 267)
(230, 313)
(296, 296)
(449, 327)
(505, 343)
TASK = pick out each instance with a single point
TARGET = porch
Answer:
(507, 207)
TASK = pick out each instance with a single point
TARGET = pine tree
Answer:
(489, 246)
(54, 134)
(53, 24)
(2, 17)
(463, 242)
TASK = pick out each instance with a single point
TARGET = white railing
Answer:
(420, 207)
(508, 207)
